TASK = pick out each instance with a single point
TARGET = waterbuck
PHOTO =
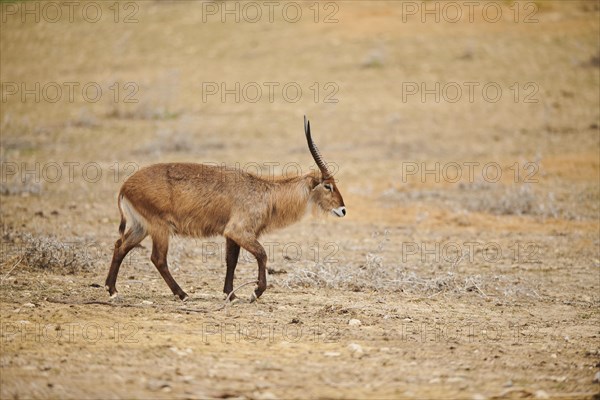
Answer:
(199, 200)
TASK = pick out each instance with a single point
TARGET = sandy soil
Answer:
(483, 286)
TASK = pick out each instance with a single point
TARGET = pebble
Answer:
(30, 305)
(181, 353)
(188, 378)
(356, 350)
(157, 384)
(597, 377)
(540, 394)
(354, 322)
(553, 356)
(331, 354)
(147, 302)
(265, 396)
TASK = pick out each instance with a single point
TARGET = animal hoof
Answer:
(184, 297)
(253, 297)
(112, 292)
(115, 298)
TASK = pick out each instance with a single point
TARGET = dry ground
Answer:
(469, 289)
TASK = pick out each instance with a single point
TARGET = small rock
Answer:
(181, 353)
(188, 378)
(356, 350)
(156, 384)
(30, 305)
(147, 302)
(540, 394)
(331, 354)
(479, 396)
(597, 377)
(264, 396)
(553, 355)
(354, 322)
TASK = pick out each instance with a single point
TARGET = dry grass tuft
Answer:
(511, 200)
(46, 253)
(21, 188)
(374, 277)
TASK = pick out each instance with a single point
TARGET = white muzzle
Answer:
(339, 212)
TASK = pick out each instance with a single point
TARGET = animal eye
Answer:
(328, 187)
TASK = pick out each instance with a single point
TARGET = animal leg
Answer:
(231, 259)
(160, 247)
(122, 246)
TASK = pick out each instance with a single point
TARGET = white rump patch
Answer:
(132, 217)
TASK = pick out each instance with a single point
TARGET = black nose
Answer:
(344, 211)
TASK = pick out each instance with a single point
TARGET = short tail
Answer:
(123, 223)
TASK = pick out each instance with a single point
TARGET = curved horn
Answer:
(315, 152)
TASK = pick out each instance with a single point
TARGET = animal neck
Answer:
(289, 199)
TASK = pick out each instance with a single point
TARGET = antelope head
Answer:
(325, 194)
